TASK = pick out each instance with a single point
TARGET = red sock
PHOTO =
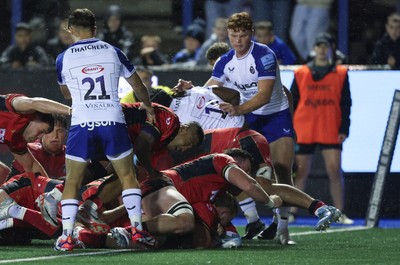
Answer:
(97, 201)
(20, 223)
(92, 240)
(60, 187)
(314, 206)
(35, 218)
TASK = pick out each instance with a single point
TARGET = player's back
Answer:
(202, 105)
(202, 178)
(91, 69)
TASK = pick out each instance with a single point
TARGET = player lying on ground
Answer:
(27, 188)
(198, 180)
(219, 140)
(212, 227)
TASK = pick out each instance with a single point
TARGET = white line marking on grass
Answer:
(338, 230)
(66, 256)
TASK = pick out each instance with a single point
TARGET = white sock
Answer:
(282, 224)
(69, 210)
(17, 212)
(6, 223)
(284, 212)
(275, 217)
(132, 199)
(249, 209)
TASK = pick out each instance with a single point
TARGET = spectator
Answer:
(220, 34)
(387, 49)
(150, 53)
(340, 58)
(215, 51)
(60, 43)
(220, 8)
(114, 31)
(310, 17)
(194, 37)
(265, 35)
(276, 11)
(322, 102)
(23, 54)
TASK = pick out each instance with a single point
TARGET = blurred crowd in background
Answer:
(289, 27)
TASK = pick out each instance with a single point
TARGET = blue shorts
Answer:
(272, 126)
(85, 139)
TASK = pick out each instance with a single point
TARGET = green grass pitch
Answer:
(366, 246)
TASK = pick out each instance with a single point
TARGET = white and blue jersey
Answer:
(90, 69)
(244, 73)
(202, 105)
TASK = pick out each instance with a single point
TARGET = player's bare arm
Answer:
(239, 178)
(143, 95)
(182, 86)
(226, 94)
(143, 149)
(44, 105)
(265, 88)
(65, 92)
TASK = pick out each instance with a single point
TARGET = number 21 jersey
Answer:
(90, 69)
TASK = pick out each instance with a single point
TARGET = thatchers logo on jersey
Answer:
(93, 124)
(92, 69)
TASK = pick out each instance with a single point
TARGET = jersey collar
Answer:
(248, 52)
(85, 41)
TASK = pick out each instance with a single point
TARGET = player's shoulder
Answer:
(225, 58)
(260, 50)
(222, 158)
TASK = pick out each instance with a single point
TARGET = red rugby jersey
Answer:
(201, 179)
(164, 130)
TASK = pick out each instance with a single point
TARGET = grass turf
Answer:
(372, 246)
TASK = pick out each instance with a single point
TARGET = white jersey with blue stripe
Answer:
(202, 105)
(90, 69)
(244, 73)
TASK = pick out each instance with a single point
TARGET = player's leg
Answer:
(282, 153)
(254, 224)
(69, 203)
(18, 203)
(281, 145)
(333, 160)
(131, 194)
(295, 197)
(80, 148)
(4, 171)
(168, 211)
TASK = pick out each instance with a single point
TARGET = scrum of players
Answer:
(195, 163)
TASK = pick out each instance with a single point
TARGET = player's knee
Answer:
(186, 223)
(184, 217)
